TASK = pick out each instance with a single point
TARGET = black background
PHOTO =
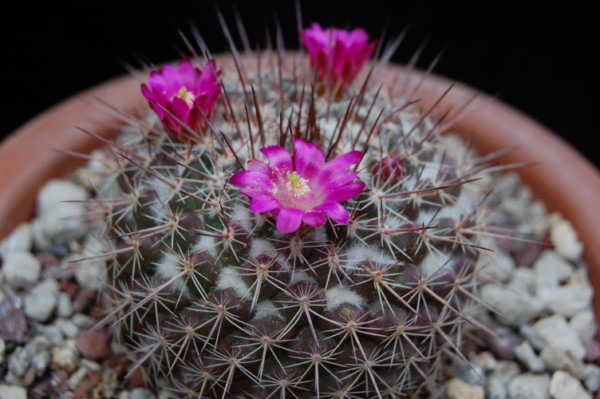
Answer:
(535, 56)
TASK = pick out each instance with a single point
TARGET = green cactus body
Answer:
(214, 301)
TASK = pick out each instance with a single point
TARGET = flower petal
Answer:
(314, 219)
(264, 203)
(289, 220)
(259, 166)
(334, 169)
(278, 157)
(308, 158)
(342, 162)
(250, 178)
(335, 211)
(254, 191)
(345, 192)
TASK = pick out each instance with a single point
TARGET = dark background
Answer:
(535, 56)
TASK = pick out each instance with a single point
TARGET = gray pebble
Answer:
(553, 266)
(65, 306)
(65, 357)
(458, 389)
(41, 301)
(505, 371)
(91, 274)
(141, 393)
(592, 377)
(76, 378)
(559, 358)
(564, 237)
(554, 331)
(22, 356)
(514, 307)
(82, 320)
(68, 328)
(21, 269)
(569, 299)
(41, 240)
(52, 332)
(60, 207)
(565, 386)
(528, 357)
(19, 240)
(523, 280)
(11, 379)
(40, 362)
(495, 266)
(496, 388)
(530, 386)
(12, 392)
(90, 364)
(486, 361)
(584, 324)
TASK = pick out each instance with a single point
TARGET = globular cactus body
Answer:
(355, 282)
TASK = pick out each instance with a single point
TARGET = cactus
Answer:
(290, 227)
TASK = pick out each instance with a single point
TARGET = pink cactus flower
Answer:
(337, 55)
(301, 187)
(183, 96)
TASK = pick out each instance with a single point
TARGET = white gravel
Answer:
(12, 392)
(565, 386)
(21, 269)
(41, 301)
(61, 210)
(530, 386)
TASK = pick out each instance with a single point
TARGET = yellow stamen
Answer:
(186, 95)
(296, 185)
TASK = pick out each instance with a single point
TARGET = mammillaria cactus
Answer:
(295, 233)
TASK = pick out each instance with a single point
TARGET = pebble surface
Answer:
(542, 343)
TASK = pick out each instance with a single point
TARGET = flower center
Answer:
(186, 95)
(296, 185)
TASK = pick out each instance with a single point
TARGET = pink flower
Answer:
(302, 187)
(183, 95)
(337, 55)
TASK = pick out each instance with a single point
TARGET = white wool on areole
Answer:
(231, 278)
(267, 308)
(206, 244)
(301, 276)
(357, 254)
(339, 295)
(260, 246)
(168, 267)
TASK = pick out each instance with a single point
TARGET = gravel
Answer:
(565, 386)
(21, 269)
(540, 341)
(12, 392)
(42, 300)
(530, 386)
(60, 208)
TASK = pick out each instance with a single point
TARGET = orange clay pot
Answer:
(560, 176)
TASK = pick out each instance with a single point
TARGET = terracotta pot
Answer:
(561, 176)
